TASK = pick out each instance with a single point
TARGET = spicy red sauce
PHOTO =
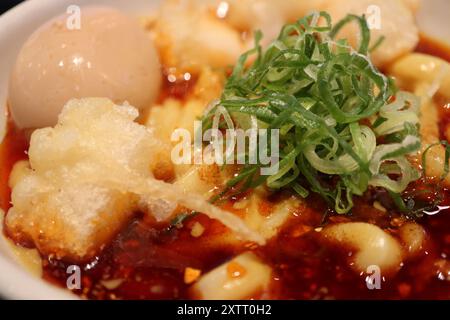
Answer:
(150, 261)
(147, 261)
(434, 47)
(306, 269)
(13, 148)
(176, 86)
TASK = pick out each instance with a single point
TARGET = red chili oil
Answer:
(13, 148)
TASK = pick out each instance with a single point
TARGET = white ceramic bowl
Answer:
(15, 27)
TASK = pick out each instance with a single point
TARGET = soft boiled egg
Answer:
(109, 55)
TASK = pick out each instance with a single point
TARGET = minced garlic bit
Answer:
(235, 270)
(112, 284)
(241, 204)
(197, 230)
(191, 275)
(379, 206)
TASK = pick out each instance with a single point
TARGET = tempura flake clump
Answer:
(86, 177)
(69, 201)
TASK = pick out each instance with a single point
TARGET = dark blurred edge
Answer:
(155, 310)
(5, 5)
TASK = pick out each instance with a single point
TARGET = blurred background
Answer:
(431, 16)
(7, 4)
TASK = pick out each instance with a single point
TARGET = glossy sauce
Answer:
(147, 261)
(434, 47)
(13, 148)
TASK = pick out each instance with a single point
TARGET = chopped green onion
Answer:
(339, 131)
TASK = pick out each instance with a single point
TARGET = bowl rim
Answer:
(15, 281)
